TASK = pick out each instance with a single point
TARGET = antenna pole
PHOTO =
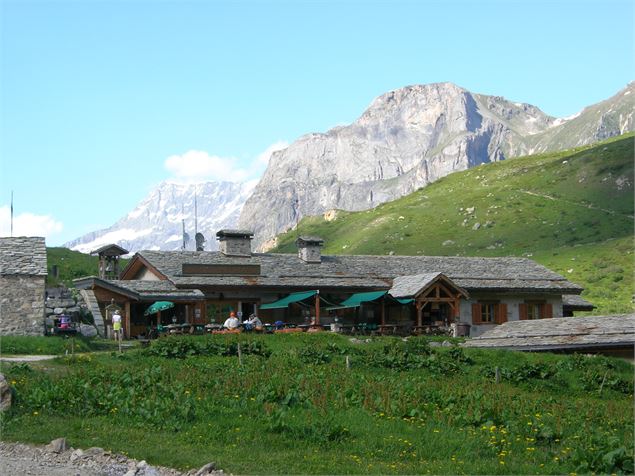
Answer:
(195, 213)
(12, 213)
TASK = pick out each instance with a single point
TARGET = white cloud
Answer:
(263, 158)
(198, 165)
(28, 224)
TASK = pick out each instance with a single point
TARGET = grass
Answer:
(71, 265)
(52, 345)
(576, 203)
(293, 407)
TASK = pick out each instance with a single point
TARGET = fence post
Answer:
(240, 356)
(498, 375)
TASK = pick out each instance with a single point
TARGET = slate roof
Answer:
(142, 290)
(561, 333)
(364, 272)
(113, 250)
(310, 240)
(23, 256)
(408, 286)
(577, 303)
(235, 233)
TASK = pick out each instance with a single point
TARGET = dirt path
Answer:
(577, 204)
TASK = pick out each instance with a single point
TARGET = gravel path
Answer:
(27, 358)
(17, 459)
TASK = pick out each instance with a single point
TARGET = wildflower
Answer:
(35, 413)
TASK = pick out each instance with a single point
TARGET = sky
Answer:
(100, 101)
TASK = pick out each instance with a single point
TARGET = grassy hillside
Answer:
(71, 265)
(571, 211)
(292, 407)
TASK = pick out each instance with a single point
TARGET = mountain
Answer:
(157, 221)
(571, 211)
(408, 138)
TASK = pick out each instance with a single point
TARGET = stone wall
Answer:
(22, 305)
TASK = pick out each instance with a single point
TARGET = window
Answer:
(535, 310)
(489, 312)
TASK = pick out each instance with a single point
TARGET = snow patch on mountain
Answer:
(157, 221)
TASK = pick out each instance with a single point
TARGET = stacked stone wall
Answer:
(22, 305)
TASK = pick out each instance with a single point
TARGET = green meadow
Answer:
(290, 405)
(571, 211)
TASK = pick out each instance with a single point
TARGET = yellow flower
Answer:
(35, 413)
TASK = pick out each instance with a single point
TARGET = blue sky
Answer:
(96, 96)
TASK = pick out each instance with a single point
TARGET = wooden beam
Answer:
(447, 291)
(317, 308)
(126, 330)
(383, 312)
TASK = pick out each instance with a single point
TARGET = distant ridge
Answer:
(156, 223)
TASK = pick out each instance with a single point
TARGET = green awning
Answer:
(358, 299)
(290, 299)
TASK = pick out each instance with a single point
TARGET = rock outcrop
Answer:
(5, 394)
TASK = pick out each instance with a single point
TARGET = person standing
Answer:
(116, 325)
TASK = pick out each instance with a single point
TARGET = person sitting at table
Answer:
(232, 322)
(254, 322)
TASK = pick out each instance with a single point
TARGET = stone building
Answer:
(22, 285)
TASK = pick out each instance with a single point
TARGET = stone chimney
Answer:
(234, 242)
(309, 249)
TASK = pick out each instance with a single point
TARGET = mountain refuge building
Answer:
(412, 292)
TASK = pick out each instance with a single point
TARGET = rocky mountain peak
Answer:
(404, 140)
